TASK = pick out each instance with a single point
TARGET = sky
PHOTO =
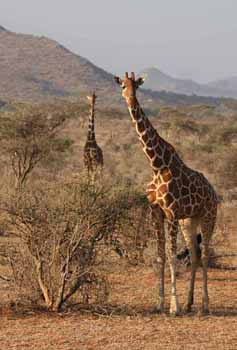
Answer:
(188, 39)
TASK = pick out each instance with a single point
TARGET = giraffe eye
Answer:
(123, 87)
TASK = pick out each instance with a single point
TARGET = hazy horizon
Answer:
(188, 40)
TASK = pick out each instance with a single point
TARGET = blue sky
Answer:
(185, 38)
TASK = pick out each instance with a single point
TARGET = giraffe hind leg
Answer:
(189, 230)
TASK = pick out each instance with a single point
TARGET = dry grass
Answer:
(128, 322)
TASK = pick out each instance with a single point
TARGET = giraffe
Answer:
(93, 156)
(179, 196)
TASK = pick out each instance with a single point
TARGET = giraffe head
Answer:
(92, 98)
(129, 86)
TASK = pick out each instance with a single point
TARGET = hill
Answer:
(228, 85)
(158, 81)
(39, 69)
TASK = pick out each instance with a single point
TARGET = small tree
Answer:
(31, 135)
(61, 229)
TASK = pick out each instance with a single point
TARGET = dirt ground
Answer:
(128, 321)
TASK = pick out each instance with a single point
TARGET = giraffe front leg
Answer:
(172, 247)
(158, 221)
(189, 230)
(161, 268)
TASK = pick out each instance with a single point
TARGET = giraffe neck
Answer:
(158, 151)
(91, 125)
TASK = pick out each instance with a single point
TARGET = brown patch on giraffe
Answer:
(158, 149)
(184, 179)
(145, 138)
(199, 197)
(184, 191)
(168, 199)
(149, 144)
(174, 163)
(157, 162)
(166, 174)
(179, 183)
(151, 196)
(173, 188)
(163, 189)
(150, 153)
(141, 126)
(186, 200)
(192, 188)
(147, 124)
(200, 191)
(167, 156)
(193, 199)
(175, 172)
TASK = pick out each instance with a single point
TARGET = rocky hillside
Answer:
(34, 68)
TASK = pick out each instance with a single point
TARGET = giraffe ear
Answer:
(140, 81)
(118, 80)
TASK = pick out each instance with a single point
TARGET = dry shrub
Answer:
(227, 169)
(61, 229)
(134, 230)
(32, 136)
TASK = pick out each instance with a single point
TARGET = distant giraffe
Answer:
(93, 156)
(177, 194)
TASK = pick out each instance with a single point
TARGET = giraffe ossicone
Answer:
(177, 194)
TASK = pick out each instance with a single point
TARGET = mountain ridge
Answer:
(157, 80)
(38, 69)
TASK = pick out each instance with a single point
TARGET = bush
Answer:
(61, 229)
